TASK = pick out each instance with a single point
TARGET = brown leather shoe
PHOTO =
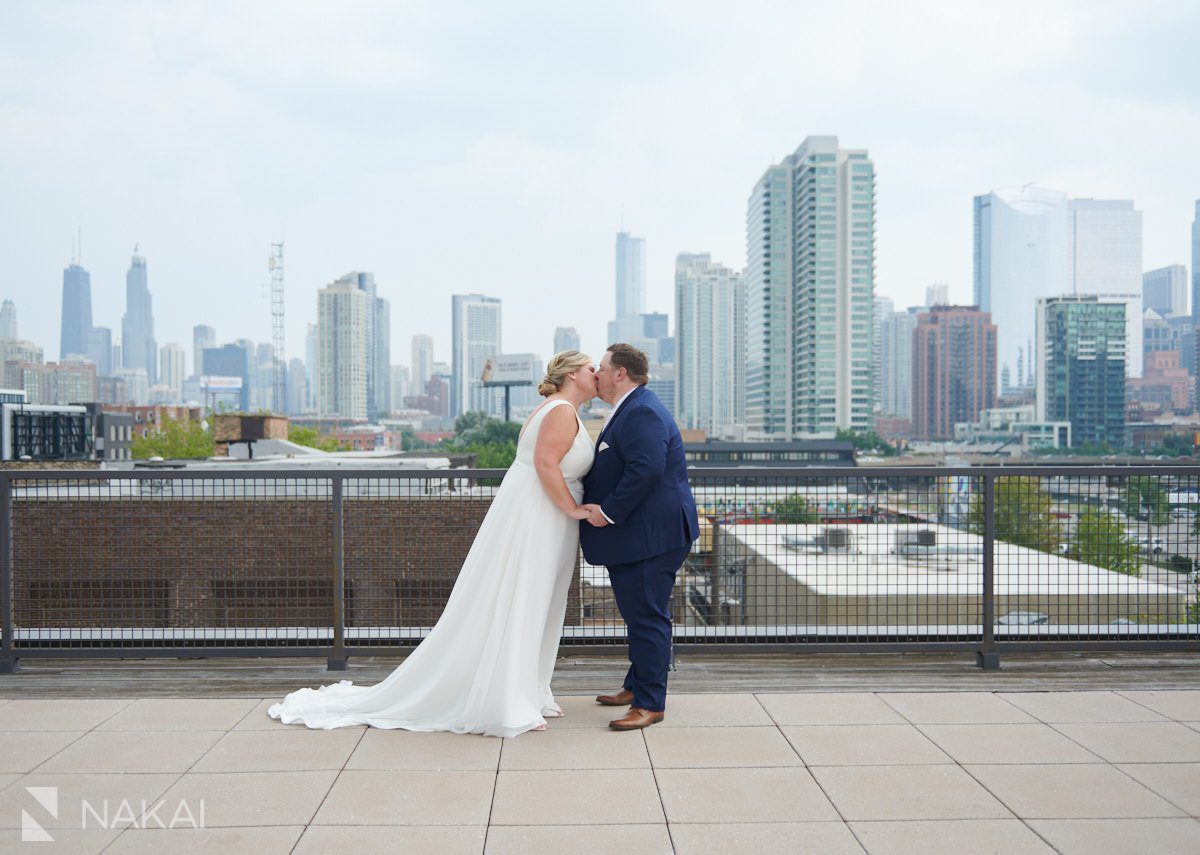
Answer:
(622, 698)
(636, 719)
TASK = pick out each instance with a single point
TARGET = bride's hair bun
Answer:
(560, 365)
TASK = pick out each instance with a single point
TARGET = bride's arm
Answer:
(554, 439)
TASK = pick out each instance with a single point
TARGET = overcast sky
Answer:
(493, 147)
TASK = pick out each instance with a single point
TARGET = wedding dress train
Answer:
(486, 665)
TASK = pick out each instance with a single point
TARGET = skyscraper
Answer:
(954, 369)
(202, 336)
(8, 321)
(379, 355)
(310, 364)
(475, 337)
(229, 360)
(1033, 242)
(631, 275)
(1022, 238)
(173, 361)
(834, 225)
(1195, 270)
(565, 338)
(937, 294)
(710, 352)
(630, 290)
(422, 362)
(884, 307)
(1105, 259)
(297, 387)
(770, 257)
(100, 350)
(76, 311)
(138, 347)
(810, 278)
(343, 357)
(896, 363)
(1081, 369)
(1165, 290)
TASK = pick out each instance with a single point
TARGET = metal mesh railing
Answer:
(342, 562)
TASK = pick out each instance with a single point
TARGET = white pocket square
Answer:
(603, 445)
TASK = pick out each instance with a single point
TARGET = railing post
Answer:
(8, 653)
(337, 656)
(988, 658)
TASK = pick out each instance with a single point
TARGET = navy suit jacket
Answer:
(639, 479)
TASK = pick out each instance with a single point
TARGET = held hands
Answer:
(580, 512)
(594, 516)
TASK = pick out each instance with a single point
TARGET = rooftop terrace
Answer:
(783, 753)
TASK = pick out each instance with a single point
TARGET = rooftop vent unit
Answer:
(836, 538)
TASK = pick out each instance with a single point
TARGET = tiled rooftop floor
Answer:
(921, 771)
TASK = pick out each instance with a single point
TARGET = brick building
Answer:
(953, 369)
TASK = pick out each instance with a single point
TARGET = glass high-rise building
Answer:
(631, 275)
(343, 353)
(475, 338)
(173, 362)
(896, 364)
(379, 353)
(1081, 370)
(769, 291)
(565, 338)
(230, 360)
(76, 311)
(1032, 242)
(422, 362)
(1196, 266)
(1022, 237)
(1165, 290)
(8, 321)
(710, 350)
(138, 347)
(810, 279)
(100, 349)
(202, 336)
(833, 207)
(1105, 259)
(884, 307)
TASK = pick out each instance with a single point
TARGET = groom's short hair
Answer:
(635, 363)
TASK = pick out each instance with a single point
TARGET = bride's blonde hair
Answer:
(560, 365)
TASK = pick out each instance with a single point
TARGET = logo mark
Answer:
(32, 830)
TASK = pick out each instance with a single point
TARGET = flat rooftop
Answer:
(758, 753)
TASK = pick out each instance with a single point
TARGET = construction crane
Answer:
(275, 264)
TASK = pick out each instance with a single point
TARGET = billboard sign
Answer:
(511, 369)
(221, 384)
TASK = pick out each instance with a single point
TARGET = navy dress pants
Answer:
(642, 590)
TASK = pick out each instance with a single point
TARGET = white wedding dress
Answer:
(486, 666)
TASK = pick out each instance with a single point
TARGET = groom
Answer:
(642, 524)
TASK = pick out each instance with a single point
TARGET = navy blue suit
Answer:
(639, 479)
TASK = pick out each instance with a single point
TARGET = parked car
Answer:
(1152, 545)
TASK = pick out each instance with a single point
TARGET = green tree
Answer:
(1146, 492)
(493, 442)
(313, 439)
(867, 440)
(1022, 511)
(175, 440)
(1100, 539)
(794, 509)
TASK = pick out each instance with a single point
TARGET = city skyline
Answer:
(224, 159)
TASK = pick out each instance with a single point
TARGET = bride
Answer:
(486, 666)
